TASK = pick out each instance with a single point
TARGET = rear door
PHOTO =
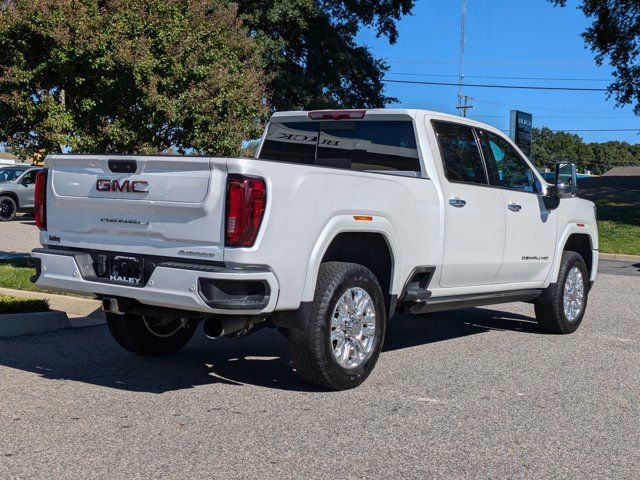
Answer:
(474, 217)
(530, 227)
(167, 206)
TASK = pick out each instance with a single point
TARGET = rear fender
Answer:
(347, 223)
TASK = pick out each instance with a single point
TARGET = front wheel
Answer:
(561, 307)
(8, 209)
(150, 336)
(343, 339)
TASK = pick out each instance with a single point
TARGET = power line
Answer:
(516, 87)
(589, 130)
(495, 61)
(560, 116)
(552, 79)
(598, 130)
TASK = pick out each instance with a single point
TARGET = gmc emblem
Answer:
(129, 186)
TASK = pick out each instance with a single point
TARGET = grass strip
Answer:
(10, 305)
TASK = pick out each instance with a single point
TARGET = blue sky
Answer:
(505, 38)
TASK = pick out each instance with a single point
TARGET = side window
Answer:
(30, 177)
(460, 153)
(505, 166)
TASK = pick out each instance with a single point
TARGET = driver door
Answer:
(531, 228)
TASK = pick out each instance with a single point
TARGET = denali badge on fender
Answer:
(129, 186)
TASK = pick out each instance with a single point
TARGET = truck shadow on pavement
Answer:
(91, 356)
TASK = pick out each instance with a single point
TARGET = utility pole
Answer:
(463, 100)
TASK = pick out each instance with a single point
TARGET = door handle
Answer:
(457, 202)
(514, 207)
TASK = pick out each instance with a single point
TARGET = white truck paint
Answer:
(474, 238)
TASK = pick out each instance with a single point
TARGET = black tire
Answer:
(311, 347)
(134, 333)
(8, 209)
(549, 306)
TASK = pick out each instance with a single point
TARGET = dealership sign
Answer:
(520, 130)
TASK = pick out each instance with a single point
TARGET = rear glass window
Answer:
(362, 145)
(291, 142)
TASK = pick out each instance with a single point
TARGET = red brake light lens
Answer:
(337, 114)
(246, 202)
(41, 199)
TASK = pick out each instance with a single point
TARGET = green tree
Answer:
(311, 52)
(128, 76)
(549, 147)
(615, 35)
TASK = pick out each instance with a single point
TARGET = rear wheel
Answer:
(8, 209)
(152, 336)
(343, 339)
(561, 306)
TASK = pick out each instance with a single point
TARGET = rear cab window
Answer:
(383, 146)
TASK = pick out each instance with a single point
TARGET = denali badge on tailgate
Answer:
(129, 186)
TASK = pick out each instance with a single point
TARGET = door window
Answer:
(460, 153)
(505, 166)
(29, 178)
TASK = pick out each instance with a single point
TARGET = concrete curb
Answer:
(74, 307)
(66, 312)
(15, 325)
(619, 256)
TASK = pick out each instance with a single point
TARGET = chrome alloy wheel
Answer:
(164, 327)
(573, 298)
(353, 327)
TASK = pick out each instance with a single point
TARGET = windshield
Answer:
(9, 174)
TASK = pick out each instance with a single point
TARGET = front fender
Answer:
(570, 229)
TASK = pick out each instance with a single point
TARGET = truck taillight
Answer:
(41, 199)
(246, 202)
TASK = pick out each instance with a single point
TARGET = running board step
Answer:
(455, 302)
(416, 294)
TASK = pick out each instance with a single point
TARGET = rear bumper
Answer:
(194, 287)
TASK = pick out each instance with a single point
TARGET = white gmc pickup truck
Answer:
(342, 219)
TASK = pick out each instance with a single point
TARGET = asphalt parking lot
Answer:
(479, 393)
(19, 236)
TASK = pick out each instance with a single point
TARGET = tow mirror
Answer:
(566, 180)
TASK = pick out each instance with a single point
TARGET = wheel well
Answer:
(370, 250)
(11, 195)
(581, 243)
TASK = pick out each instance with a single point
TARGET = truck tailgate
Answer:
(153, 205)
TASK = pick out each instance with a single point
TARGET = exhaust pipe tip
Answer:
(213, 328)
(216, 327)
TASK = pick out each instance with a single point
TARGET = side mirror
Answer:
(566, 180)
(552, 198)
